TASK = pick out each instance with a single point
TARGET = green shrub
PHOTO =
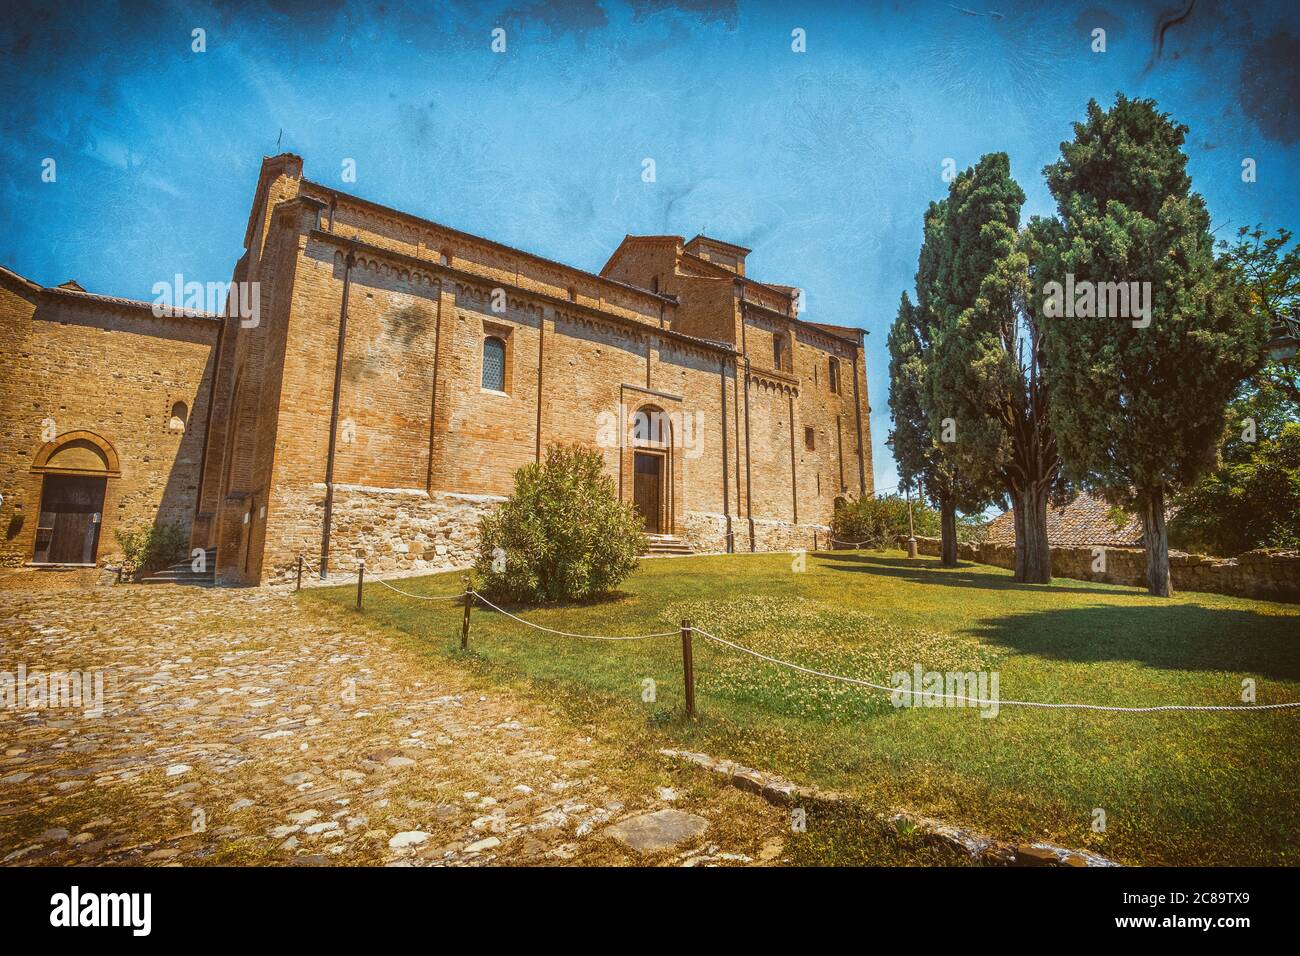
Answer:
(149, 546)
(562, 535)
(879, 521)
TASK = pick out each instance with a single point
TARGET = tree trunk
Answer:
(948, 532)
(1033, 552)
(1156, 541)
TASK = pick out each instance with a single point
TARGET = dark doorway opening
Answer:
(72, 510)
(647, 489)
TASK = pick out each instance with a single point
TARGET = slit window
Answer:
(833, 375)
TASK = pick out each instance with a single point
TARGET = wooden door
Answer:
(71, 513)
(646, 495)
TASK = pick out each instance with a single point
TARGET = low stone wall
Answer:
(1265, 575)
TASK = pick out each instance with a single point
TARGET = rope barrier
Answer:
(999, 703)
(591, 637)
(856, 544)
(845, 679)
(423, 597)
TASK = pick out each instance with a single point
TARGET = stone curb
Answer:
(978, 846)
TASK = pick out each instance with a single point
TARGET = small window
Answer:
(778, 352)
(179, 416)
(654, 284)
(573, 294)
(833, 375)
(494, 364)
(810, 439)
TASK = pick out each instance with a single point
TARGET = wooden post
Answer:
(814, 539)
(688, 669)
(299, 587)
(464, 624)
(361, 580)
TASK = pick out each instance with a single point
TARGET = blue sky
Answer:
(822, 162)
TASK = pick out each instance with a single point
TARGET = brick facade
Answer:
(371, 332)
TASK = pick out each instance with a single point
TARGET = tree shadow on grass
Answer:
(929, 571)
(1169, 637)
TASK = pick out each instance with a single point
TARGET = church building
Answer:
(374, 379)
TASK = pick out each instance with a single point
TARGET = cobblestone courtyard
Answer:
(239, 728)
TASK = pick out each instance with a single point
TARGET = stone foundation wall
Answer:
(784, 536)
(399, 530)
(706, 532)
(1265, 575)
(394, 530)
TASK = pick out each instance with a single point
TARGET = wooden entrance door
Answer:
(646, 489)
(71, 512)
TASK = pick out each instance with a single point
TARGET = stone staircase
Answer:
(667, 545)
(182, 572)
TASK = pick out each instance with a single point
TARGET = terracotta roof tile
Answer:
(1086, 521)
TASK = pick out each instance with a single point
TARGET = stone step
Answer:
(197, 580)
(209, 559)
(667, 544)
(182, 572)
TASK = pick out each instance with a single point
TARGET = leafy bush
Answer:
(149, 546)
(880, 521)
(562, 535)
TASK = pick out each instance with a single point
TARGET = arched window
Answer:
(833, 376)
(180, 415)
(494, 364)
(651, 426)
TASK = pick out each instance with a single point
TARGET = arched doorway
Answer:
(74, 470)
(652, 468)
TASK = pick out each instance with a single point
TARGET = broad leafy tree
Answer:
(1139, 398)
(1252, 500)
(987, 399)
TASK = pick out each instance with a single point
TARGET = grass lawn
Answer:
(1176, 788)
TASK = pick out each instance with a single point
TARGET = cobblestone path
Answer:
(240, 728)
